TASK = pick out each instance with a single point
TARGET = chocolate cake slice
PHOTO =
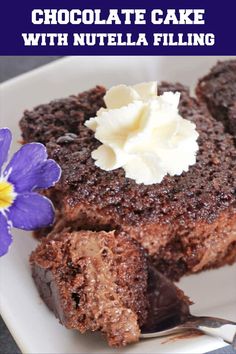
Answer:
(218, 91)
(186, 223)
(94, 281)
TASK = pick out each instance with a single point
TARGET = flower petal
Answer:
(26, 158)
(29, 169)
(5, 236)
(31, 211)
(5, 142)
(45, 175)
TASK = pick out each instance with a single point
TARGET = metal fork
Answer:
(169, 313)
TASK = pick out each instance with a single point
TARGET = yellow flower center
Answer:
(7, 194)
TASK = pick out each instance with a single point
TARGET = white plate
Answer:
(34, 328)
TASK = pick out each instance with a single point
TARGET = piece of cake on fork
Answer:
(102, 281)
(94, 281)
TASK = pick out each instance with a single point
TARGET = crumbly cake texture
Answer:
(218, 91)
(94, 281)
(186, 223)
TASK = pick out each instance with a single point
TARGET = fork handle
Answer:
(216, 327)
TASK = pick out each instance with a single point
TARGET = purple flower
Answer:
(20, 206)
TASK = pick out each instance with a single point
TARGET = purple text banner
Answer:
(165, 27)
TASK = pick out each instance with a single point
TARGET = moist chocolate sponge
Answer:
(186, 223)
(94, 281)
(218, 91)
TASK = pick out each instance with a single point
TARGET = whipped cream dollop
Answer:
(143, 133)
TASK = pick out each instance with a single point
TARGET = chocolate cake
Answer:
(186, 223)
(102, 281)
(218, 91)
(94, 281)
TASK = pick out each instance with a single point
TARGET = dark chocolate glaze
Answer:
(168, 306)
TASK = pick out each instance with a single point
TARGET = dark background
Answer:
(9, 68)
